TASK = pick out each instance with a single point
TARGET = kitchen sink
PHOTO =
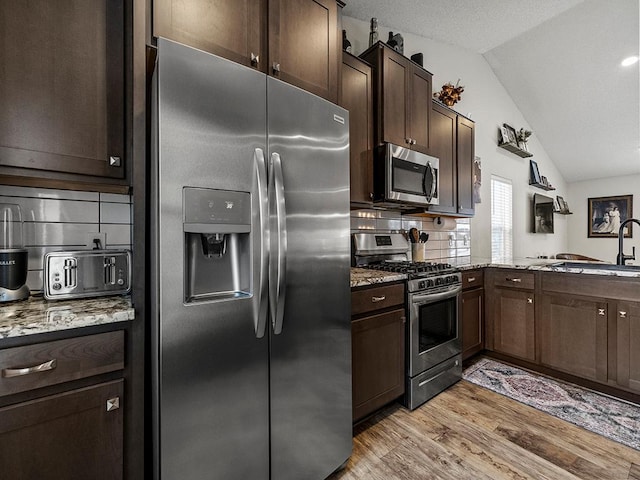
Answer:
(597, 266)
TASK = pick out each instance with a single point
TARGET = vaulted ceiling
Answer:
(558, 59)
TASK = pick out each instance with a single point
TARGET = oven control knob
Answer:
(429, 283)
(421, 285)
(438, 281)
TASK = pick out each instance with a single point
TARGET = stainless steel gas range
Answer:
(434, 353)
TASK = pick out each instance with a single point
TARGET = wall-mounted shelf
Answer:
(562, 212)
(542, 186)
(513, 148)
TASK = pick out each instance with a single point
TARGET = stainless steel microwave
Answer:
(405, 178)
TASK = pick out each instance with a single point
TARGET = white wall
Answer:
(487, 103)
(601, 248)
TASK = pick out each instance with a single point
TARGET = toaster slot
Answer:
(70, 272)
(110, 270)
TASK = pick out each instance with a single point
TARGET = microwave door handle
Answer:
(429, 191)
(260, 314)
(278, 215)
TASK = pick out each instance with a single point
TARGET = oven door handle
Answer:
(435, 296)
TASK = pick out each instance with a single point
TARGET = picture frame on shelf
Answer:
(563, 207)
(535, 173)
(556, 205)
(607, 213)
(544, 181)
(510, 134)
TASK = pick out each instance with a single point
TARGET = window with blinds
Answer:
(501, 220)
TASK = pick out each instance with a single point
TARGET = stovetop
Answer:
(423, 276)
(417, 269)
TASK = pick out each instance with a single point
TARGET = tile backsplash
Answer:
(449, 242)
(63, 220)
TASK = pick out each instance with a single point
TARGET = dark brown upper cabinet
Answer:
(452, 141)
(62, 91)
(356, 96)
(294, 40)
(233, 30)
(402, 99)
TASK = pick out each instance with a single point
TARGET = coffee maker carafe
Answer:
(13, 255)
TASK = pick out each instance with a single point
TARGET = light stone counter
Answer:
(362, 276)
(37, 315)
(551, 265)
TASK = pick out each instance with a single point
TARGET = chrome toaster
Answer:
(86, 273)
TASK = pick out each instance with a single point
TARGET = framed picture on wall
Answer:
(607, 213)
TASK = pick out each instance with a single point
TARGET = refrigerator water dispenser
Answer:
(217, 247)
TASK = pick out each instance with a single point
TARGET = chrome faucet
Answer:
(622, 258)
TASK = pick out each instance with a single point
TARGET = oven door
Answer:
(410, 177)
(434, 333)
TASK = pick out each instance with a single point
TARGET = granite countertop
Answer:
(37, 315)
(361, 277)
(551, 265)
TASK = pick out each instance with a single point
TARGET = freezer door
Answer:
(211, 378)
(311, 342)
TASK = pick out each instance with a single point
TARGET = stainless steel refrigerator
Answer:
(250, 268)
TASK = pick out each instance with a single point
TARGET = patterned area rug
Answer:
(606, 416)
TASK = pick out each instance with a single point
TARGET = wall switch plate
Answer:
(93, 238)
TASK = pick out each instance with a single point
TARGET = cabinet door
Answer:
(573, 336)
(628, 344)
(466, 155)
(443, 145)
(377, 361)
(394, 104)
(76, 434)
(472, 320)
(419, 108)
(62, 91)
(304, 48)
(514, 323)
(356, 96)
(233, 30)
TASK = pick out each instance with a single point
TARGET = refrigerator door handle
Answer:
(277, 215)
(260, 319)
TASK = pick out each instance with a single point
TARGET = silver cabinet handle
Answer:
(255, 59)
(113, 404)
(19, 372)
(529, 300)
(378, 299)
(407, 141)
(278, 237)
(515, 280)
(623, 314)
(471, 279)
(276, 67)
(260, 314)
(413, 141)
(601, 311)
(114, 161)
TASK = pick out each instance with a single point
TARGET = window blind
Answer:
(501, 220)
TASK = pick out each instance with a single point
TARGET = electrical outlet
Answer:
(95, 237)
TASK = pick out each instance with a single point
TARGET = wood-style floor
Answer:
(468, 432)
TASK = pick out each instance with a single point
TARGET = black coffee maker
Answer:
(13, 255)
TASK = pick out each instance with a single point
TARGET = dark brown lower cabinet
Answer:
(514, 323)
(75, 434)
(628, 345)
(573, 335)
(472, 320)
(378, 360)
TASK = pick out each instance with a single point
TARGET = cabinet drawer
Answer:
(376, 298)
(472, 279)
(514, 279)
(49, 363)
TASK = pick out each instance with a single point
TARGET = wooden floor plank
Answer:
(468, 432)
